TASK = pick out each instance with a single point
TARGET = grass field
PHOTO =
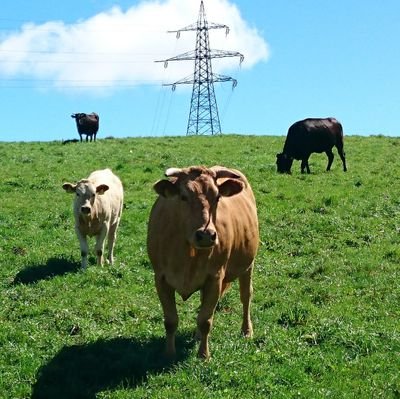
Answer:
(326, 305)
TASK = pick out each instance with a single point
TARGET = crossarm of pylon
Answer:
(190, 55)
(214, 78)
(223, 54)
(194, 27)
(187, 80)
(223, 78)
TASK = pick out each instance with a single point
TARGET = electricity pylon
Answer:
(203, 116)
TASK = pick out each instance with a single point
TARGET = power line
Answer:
(74, 84)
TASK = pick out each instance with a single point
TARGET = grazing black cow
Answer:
(308, 136)
(87, 124)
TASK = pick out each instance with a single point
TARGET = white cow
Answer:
(97, 211)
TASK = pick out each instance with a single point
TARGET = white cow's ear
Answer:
(230, 187)
(165, 188)
(102, 188)
(69, 187)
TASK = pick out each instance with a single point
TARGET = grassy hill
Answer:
(326, 281)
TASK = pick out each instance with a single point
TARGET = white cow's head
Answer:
(85, 194)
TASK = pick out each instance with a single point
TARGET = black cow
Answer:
(308, 136)
(87, 124)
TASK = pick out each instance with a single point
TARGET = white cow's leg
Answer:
(84, 247)
(99, 248)
(246, 293)
(166, 295)
(112, 235)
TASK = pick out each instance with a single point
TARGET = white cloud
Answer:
(119, 47)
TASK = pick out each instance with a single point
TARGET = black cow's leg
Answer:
(80, 137)
(330, 156)
(304, 165)
(343, 158)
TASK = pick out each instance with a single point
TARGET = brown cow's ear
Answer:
(102, 188)
(165, 188)
(69, 187)
(230, 187)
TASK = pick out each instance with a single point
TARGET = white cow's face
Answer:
(85, 197)
(86, 193)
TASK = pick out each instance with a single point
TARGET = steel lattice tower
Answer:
(203, 116)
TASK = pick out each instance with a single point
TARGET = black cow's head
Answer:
(78, 116)
(283, 163)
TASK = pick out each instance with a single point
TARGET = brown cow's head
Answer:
(196, 193)
(283, 163)
(85, 195)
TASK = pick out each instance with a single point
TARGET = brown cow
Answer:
(97, 211)
(202, 235)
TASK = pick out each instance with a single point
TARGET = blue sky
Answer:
(303, 58)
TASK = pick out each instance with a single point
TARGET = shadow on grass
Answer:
(53, 267)
(83, 371)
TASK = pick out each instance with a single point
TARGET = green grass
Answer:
(326, 281)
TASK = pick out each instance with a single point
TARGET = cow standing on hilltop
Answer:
(202, 235)
(87, 124)
(308, 136)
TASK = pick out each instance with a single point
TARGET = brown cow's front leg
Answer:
(166, 295)
(246, 293)
(209, 299)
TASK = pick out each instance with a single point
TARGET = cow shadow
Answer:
(83, 371)
(53, 267)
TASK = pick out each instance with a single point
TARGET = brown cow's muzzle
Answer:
(205, 238)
